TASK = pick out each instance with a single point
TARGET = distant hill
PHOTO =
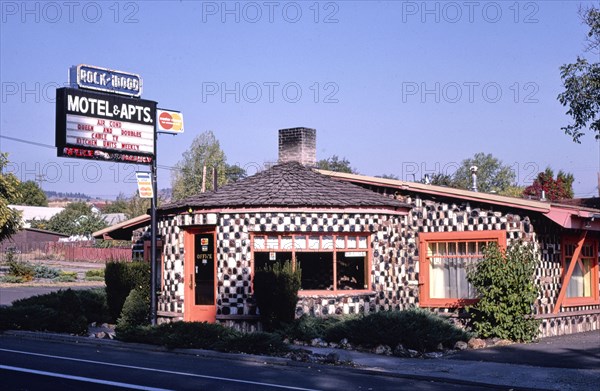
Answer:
(71, 196)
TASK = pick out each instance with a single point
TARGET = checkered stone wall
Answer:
(234, 261)
(394, 263)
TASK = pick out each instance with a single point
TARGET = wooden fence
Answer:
(68, 251)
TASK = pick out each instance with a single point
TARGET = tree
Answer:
(334, 163)
(389, 176)
(513, 191)
(582, 83)
(10, 219)
(205, 151)
(30, 194)
(554, 189)
(119, 205)
(234, 173)
(492, 175)
(505, 283)
(137, 206)
(76, 219)
(439, 179)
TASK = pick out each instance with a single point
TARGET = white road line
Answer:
(83, 379)
(161, 370)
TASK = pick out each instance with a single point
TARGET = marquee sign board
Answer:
(92, 125)
(105, 80)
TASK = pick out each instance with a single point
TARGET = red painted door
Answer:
(200, 276)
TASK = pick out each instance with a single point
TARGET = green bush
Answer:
(93, 303)
(306, 328)
(12, 279)
(197, 335)
(276, 293)
(253, 343)
(416, 329)
(136, 310)
(94, 275)
(202, 335)
(120, 279)
(60, 311)
(24, 270)
(35, 317)
(505, 282)
(67, 277)
(43, 271)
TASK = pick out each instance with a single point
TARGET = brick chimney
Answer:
(298, 145)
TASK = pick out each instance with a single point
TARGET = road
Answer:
(10, 294)
(45, 365)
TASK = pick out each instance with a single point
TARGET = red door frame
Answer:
(193, 312)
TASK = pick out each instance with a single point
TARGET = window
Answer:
(329, 262)
(582, 288)
(445, 258)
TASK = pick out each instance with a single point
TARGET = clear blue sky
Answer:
(397, 87)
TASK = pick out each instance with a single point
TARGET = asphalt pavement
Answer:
(559, 363)
(10, 294)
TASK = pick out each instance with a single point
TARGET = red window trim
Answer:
(334, 249)
(425, 238)
(565, 259)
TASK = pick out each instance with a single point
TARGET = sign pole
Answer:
(153, 271)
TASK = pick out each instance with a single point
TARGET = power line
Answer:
(28, 142)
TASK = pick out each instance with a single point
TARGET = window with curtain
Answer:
(582, 288)
(445, 258)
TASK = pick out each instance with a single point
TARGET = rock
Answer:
(413, 353)
(400, 351)
(503, 342)
(105, 325)
(299, 356)
(93, 324)
(433, 355)
(440, 347)
(344, 341)
(383, 349)
(101, 335)
(333, 345)
(316, 342)
(476, 343)
(461, 345)
(331, 358)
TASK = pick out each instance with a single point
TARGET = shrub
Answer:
(276, 292)
(94, 275)
(67, 277)
(253, 343)
(202, 335)
(93, 303)
(20, 269)
(197, 335)
(136, 310)
(507, 293)
(415, 329)
(43, 271)
(12, 279)
(120, 279)
(306, 328)
(60, 311)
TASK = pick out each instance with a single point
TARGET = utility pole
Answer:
(153, 232)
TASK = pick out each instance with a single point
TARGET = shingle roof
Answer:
(288, 185)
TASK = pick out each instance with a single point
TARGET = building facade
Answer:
(366, 244)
